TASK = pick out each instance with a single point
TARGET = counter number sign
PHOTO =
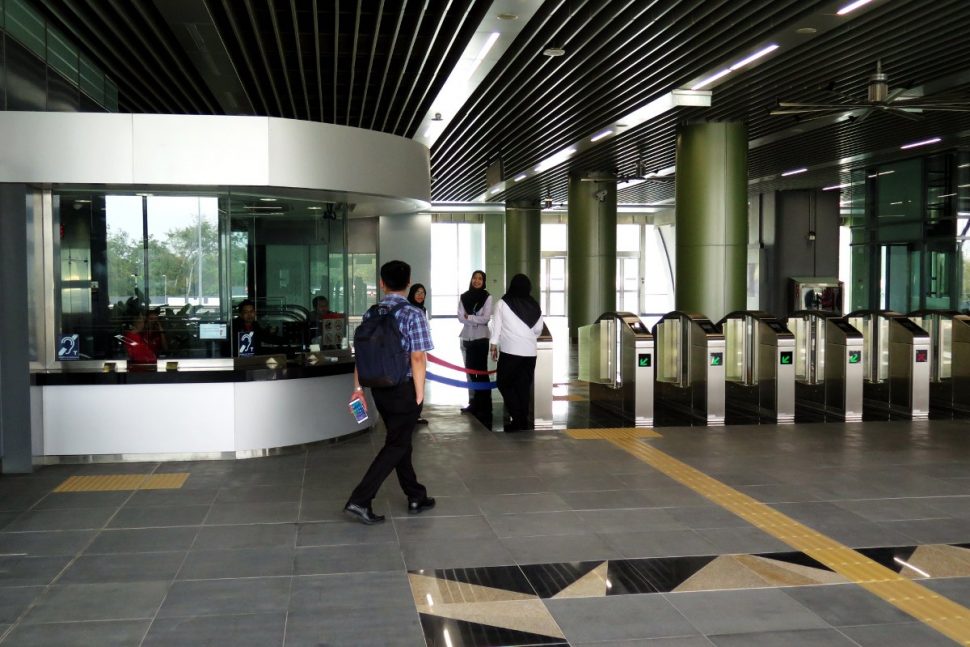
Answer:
(717, 359)
(643, 360)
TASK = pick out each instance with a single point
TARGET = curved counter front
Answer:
(188, 414)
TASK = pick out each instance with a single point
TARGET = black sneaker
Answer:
(362, 514)
(417, 506)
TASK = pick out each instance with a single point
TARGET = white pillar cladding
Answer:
(408, 238)
(380, 174)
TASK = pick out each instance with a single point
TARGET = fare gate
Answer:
(949, 361)
(690, 354)
(896, 365)
(617, 359)
(542, 383)
(828, 366)
(759, 368)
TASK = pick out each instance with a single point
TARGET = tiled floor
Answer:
(537, 538)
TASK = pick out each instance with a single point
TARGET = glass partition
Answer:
(670, 367)
(144, 276)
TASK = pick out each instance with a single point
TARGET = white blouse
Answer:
(510, 333)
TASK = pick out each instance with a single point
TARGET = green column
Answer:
(592, 248)
(523, 227)
(712, 224)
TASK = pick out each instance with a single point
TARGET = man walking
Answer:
(399, 406)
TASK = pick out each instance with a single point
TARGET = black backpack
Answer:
(381, 359)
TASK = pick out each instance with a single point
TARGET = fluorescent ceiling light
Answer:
(554, 160)
(794, 172)
(711, 79)
(666, 102)
(267, 199)
(852, 6)
(519, 177)
(599, 136)
(834, 187)
(946, 195)
(483, 52)
(925, 142)
(754, 57)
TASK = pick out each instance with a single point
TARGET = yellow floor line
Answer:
(944, 615)
(120, 482)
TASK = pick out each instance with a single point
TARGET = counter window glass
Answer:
(162, 275)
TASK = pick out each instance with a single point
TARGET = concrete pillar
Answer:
(712, 218)
(523, 229)
(592, 248)
(15, 437)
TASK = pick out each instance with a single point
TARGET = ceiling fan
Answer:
(880, 98)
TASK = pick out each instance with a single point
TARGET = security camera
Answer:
(548, 203)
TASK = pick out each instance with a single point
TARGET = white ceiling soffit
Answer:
(502, 24)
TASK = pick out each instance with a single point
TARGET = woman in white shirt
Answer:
(474, 312)
(516, 327)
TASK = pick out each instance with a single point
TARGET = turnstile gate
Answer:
(759, 368)
(689, 370)
(828, 366)
(896, 365)
(542, 382)
(616, 357)
(949, 361)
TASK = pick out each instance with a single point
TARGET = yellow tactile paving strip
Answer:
(118, 482)
(944, 615)
(612, 433)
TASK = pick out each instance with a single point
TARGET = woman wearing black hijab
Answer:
(416, 297)
(474, 312)
(515, 330)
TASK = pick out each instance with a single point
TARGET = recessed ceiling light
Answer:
(806, 30)
(599, 136)
(315, 208)
(553, 51)
(267, 199)
(82, 202)
(834, 187)
(506, 16)
(794, 172)
(519, 178)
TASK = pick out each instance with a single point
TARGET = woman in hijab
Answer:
(474, 312)
(516, 327)
(416, 296)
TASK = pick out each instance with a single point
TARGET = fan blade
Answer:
(824, 106)
(906, 115)
(895, 94)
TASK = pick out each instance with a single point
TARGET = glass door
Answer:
(628, 284)
(553, 290)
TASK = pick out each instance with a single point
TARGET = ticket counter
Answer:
(195, 412)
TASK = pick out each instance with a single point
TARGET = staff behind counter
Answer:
(248, 336)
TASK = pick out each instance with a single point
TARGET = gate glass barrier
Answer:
(690, 354)
(949, 361)
(759, 368)
(896, 364)
(616, 357)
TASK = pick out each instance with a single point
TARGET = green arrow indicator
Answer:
(855, 356)
(786, 357)
(717, 359)
(643, 360)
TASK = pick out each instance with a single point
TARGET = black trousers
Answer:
(476, 357)
(515, 377)
(400, 413)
